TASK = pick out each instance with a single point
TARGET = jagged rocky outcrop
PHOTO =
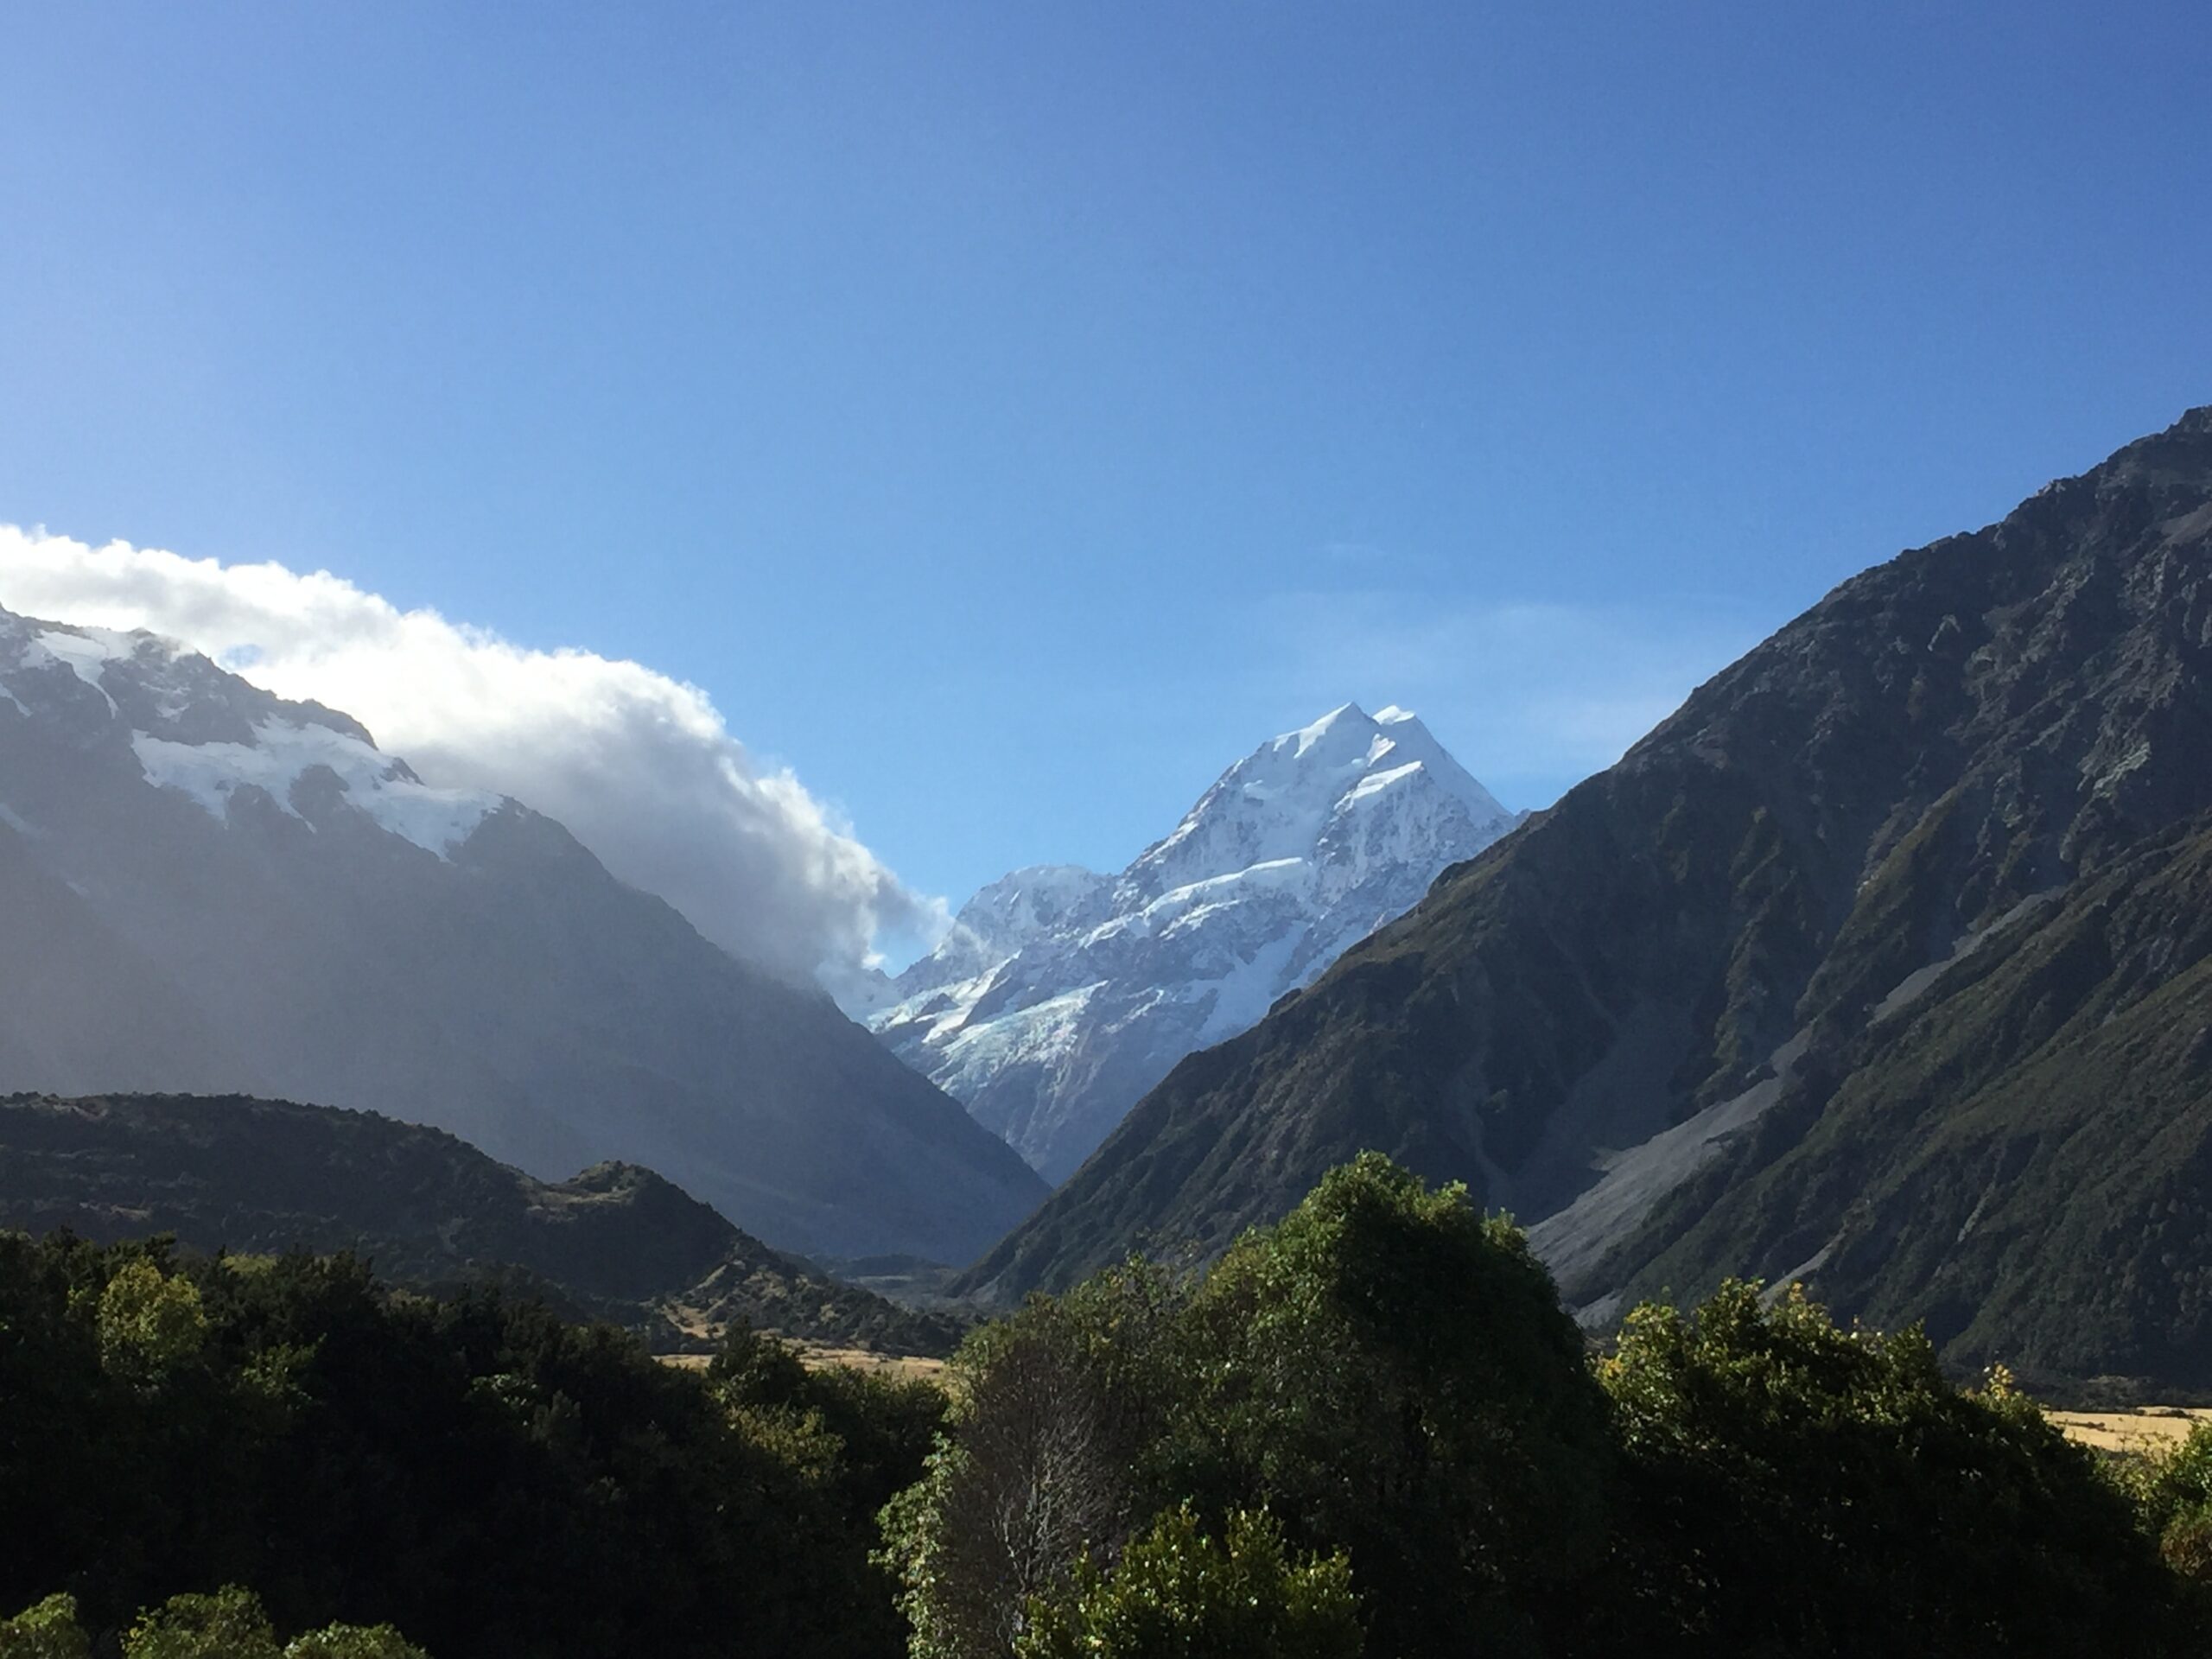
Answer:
(210, 889)
(1881, 964)
(616, 1243)
(1060, 995)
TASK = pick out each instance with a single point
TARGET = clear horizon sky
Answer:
(1011, 415)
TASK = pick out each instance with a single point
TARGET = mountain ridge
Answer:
(239, 894)
(1789, 885)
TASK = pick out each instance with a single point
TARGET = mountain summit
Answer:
(210, 889)
(1060, 995)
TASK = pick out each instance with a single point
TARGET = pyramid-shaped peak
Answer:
(1347, 722)
(1349, 731)
(1343, 750)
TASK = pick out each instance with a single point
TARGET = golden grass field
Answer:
(2145, 1428)
(818, 1356)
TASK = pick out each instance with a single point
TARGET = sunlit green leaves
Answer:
(47, 1631)
(1177, 1592)
(149, 1322)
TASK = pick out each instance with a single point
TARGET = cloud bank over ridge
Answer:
(642, 768)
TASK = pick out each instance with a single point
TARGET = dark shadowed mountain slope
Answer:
(1876, 964)
(256, 1176)
(207, 888)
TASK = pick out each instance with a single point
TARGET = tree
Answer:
(472, 1469)
(1178, 1593)
(2172, 1490)
(228, 1624)
(1798, 1488)
(1384, 1370)
(1390, 1374)
(1053, 1413)
(149, 1322)
(352, 1641)
(47, 1631)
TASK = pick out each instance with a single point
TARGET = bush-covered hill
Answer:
(472, 1471)
(617, 1243)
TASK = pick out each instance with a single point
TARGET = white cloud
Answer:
(641, 767)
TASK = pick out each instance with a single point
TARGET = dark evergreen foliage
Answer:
(1388, 1379)
(1792, 1487)
(1370, 1429)
(475, 1471)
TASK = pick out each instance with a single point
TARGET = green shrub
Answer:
(352, 1641)
(1796, 1487)
(1177, 1593)
(1390, 1374)
(228, 1624)
(2172, 1491)
(47, 1631)
(149, 1322)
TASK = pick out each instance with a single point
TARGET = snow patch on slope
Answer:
(436, 820)
(85, 652)
(209, 735)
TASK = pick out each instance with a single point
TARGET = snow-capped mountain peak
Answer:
(1305, 794)
(1060, 995)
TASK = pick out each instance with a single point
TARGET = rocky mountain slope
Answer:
(211, 889)
(617, 1243)
(1061, 996)
(1882, 964)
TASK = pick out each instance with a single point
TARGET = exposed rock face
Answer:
(1879, 964)
(1061, 996)
(208, 888)
(427, 1209)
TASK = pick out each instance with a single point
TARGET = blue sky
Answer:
(1012, 414)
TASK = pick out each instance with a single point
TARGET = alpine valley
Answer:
(1061, 996)
(214, 890)
(1884, 964)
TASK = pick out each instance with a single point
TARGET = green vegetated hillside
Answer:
(2022, 1162)
(1877, 964)
(617, 1243)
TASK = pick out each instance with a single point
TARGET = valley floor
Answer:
(820, 1356)
(2144, 1428)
